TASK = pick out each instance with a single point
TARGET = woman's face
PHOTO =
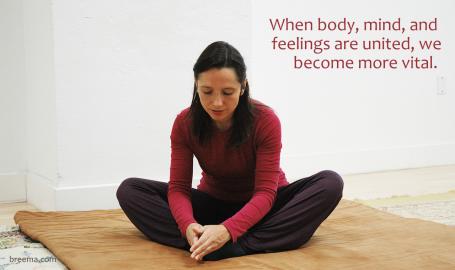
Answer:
(219, 92)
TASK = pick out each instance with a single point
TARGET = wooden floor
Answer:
(405, 182)
(355, 186)
(7, 211)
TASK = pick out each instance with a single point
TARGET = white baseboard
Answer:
(12, 187)
(47, 197)
(41, 192)
(369, 160)
(87, 197)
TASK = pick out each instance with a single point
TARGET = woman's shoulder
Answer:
(266, 123)
(263, 112)
(184, 112)
(183, 115)
(267, 126)
(181, 122)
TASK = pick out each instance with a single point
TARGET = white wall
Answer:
(363, 120)
(102, 82)
(12, 103)
(41, 136)
(123, 72)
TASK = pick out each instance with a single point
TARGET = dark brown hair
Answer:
(221, 54)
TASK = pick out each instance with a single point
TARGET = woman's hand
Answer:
(193, 232)
(212, 238)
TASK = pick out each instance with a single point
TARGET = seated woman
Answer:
(244, 203)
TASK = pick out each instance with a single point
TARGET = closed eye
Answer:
(209, 93)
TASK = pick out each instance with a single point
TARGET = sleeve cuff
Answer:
(228, 225)
(185, 226)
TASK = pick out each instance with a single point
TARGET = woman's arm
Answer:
(181, 174)
(267, 174)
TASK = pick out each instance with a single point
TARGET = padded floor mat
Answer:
(354, 236)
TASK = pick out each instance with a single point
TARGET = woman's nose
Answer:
(218, 100)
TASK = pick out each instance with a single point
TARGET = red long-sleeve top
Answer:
(249, 174)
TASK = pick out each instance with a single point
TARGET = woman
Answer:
(244, 203)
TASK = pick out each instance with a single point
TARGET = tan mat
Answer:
(354, 236)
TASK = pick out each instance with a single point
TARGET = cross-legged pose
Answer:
(244, 203)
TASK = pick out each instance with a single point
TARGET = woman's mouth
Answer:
(217, 112)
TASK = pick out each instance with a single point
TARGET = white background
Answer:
(89, 91)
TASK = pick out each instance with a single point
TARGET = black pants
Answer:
(298, 211)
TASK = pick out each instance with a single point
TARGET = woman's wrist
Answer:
(227, 232)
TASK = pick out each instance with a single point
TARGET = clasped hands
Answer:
(206, 239)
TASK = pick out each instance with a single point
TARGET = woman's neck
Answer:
(223, 126)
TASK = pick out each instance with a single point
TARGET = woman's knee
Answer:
(333, 184)
(124, 189)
